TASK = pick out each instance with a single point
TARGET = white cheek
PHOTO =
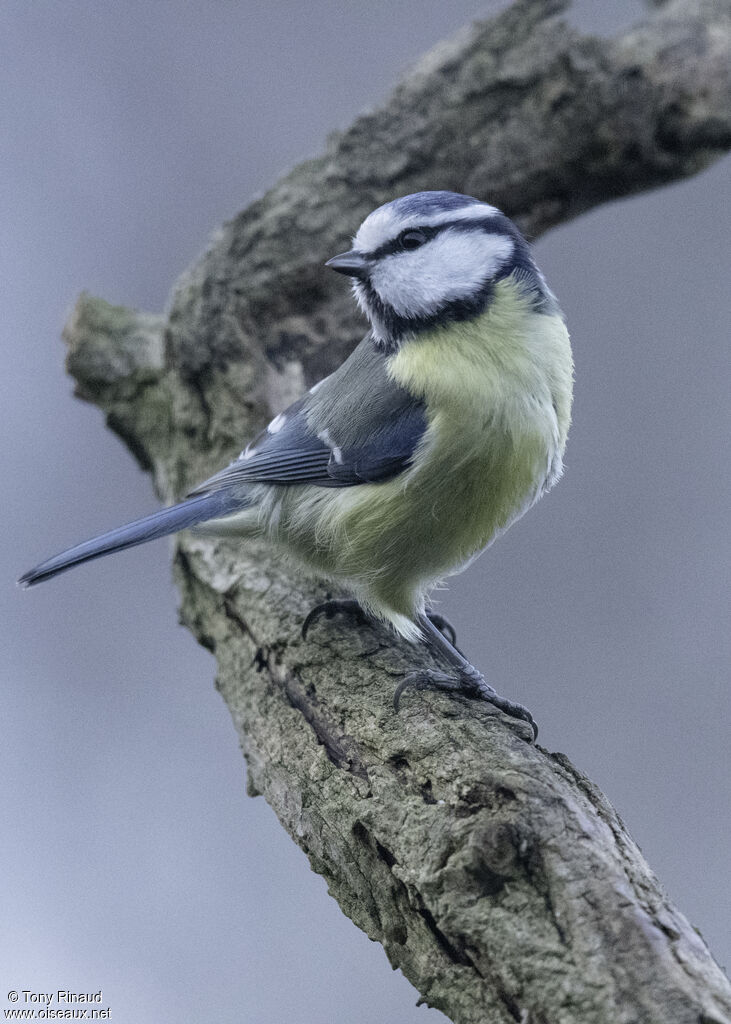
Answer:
(452, 266)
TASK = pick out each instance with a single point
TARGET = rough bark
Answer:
(494, 874)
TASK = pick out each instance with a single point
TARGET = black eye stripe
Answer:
(395, 244)
(496, 224)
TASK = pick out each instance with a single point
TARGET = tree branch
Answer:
(494, 874)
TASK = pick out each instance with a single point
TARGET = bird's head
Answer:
(430, 259)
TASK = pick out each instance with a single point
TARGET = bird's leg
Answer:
(349, 606)
(465, 679)
(444, 626)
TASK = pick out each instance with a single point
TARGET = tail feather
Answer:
(158, 524)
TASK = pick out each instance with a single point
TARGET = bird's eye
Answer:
(411, 239)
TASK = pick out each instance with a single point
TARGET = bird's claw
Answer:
(331, 608)
(471, 685)
(423, 679)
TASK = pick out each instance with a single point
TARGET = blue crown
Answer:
(430, 203)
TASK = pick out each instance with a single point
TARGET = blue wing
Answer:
(357, 426)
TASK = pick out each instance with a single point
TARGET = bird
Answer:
(446, 423)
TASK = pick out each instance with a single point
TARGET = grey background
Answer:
(131, 859)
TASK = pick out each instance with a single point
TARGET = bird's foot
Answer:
(331, 608)
(349, 606)
(470, 683)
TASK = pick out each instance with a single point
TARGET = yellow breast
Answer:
(498, 394)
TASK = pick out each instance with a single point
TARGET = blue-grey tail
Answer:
(159, 524)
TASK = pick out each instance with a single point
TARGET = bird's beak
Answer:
(353, 264)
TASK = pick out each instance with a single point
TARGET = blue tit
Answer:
(443, 427)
